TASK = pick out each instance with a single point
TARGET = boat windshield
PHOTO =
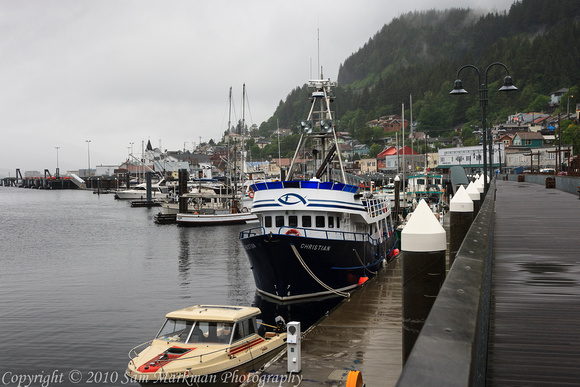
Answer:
(188, 331)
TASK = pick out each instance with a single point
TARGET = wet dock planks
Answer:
(363, 333)
(534, 337)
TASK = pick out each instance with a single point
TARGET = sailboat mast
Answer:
(229, 133)
(279, 156)
(242, 167)
(235, 166)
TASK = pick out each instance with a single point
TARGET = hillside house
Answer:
(528, 140)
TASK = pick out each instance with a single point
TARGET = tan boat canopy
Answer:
(214, 313)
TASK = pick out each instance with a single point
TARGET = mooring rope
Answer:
(337, 292)
(363, 265)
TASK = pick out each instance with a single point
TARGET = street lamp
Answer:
(89, 154)
(507, 86)
(57, 170)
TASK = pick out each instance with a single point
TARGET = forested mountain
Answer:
(420, 53)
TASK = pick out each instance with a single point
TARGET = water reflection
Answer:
(549, 274)
(183, 256)
(307, 312)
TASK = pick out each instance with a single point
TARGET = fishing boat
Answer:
(426, 186)
(319, 235)
(206, 345)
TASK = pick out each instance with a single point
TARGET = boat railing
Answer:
(327, 234)
(252, 232)
(377, 206)
(313, 233)
(133, 351)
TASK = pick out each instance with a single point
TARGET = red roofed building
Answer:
(388, 158)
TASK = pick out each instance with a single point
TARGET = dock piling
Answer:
(461, 215)
(182, 191)
(424, 243)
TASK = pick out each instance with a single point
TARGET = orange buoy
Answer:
(354, 379)
(362, 280)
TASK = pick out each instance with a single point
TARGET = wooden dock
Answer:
(363, 333)
(534, 337)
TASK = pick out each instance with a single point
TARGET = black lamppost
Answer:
(507, 86)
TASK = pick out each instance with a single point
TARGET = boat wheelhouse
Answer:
(428, 187)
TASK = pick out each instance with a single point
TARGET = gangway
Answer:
(78, 181)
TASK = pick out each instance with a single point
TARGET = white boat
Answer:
(205, 345)
(212, 209)
(158, 191)
(195, 219)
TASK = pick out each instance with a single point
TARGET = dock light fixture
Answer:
(458, 89)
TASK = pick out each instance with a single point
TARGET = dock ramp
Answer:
(78, 181)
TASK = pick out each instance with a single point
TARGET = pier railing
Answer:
(452, 347)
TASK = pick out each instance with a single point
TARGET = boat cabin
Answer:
(209, 325)
(318, 210)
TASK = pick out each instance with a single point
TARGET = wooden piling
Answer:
(148, 186)
(182, 190)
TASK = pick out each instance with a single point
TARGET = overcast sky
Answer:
(118, 72)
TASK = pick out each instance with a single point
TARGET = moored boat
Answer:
(196, 219)
(317, 236)
(205, 345)
(214, 209)
(158, 191)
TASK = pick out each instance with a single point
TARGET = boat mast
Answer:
(235, 167)
(279, 156)
(229, 136)
(322, 121)
(243, 155)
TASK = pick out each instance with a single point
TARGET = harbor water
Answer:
(85, 278)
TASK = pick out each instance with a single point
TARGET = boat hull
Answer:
(215, 219)
(231, 377)
(138, 195)
(285, 273)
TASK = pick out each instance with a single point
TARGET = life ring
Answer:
(251, 194)
(293, 231)
(245, 209)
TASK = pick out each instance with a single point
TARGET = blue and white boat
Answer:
(317, 236)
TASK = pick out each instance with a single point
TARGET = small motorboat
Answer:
(206, 345)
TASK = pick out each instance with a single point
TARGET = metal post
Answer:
(89, 155)
(57, 173)
(458, 89)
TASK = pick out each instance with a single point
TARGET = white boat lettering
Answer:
(305, 246)
(250, 246)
